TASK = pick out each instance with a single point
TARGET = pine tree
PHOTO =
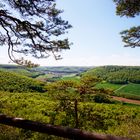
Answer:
(129, 8)
(32, 27)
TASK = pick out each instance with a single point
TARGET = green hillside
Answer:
(56, 106)
(63, 70)
(113, 119)
(30, 72)
(123, 80)
(131, 91)
(12, 82)
(43, 73)
(117, 74)
(107, 85)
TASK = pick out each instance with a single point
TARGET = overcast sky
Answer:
(95, 36)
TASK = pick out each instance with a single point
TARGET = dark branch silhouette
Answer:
(129, 8)
(32, 27)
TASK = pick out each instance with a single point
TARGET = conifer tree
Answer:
(129, 8)
(32, 27)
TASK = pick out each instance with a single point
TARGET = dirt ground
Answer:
(126, 100)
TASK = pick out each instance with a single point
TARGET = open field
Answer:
(133, 89)
(130, 91)
(107, 85)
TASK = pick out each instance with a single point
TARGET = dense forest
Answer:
(55, 102)
(116, 119)
(12, 82)
(117, 74)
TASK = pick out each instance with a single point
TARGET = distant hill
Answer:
(117, 74)
(57, 73)
(45, 73)
(22, 70)
(12, 82)
(63, 70)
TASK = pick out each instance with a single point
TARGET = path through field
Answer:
(126, 100)
(120, 88)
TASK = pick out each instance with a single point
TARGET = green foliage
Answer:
(63, 89)
(129, 8)
(131, 91)
(83, 90)
(32, 106)
(63, 70)
(102, 98)
(117, 74)
(103, 118)
(131, 37)
(108, 86)
(63, 104)
(71, 77)
(53, 74)
(35, 32)
(16, 83)
(29, 72)
(49, 74)
(87, 84)
(129, 129)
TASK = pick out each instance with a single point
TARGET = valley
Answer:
(104, 105)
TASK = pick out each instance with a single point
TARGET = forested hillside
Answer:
(45, 74)
(12, 82)
(115, 119)
(96, 110)
(117, 74)
(30, 72)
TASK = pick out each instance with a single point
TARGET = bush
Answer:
(102, 98)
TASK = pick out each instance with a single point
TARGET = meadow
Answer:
(131, 91)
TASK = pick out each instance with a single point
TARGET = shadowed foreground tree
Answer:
(129, 8)
(32, 27)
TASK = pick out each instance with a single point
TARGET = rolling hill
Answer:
(117, 74)
(12, 82)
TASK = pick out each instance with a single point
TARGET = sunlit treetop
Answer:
(32, 27)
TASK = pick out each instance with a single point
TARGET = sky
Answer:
(95, 36)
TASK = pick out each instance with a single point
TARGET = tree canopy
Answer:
(32, 27)
(129, 8)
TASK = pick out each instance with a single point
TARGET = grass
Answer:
(131, 91)
(72, 78)
(108, 86)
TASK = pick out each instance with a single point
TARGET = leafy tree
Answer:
(87, 85)
(63, 89)
(102, 98)
(129, 8)
(32, 27)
